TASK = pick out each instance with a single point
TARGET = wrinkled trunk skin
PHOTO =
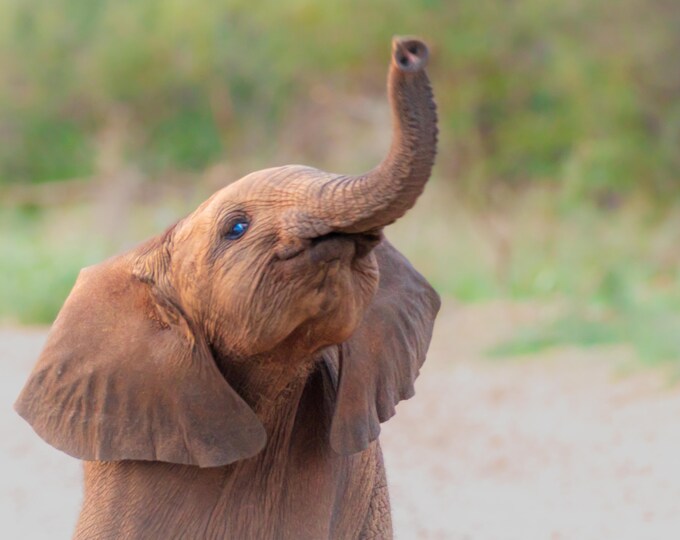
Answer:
(297, 488)
(357, 204)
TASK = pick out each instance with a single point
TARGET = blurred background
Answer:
(551, 223)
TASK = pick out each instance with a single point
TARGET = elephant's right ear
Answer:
(121, 379)
(379, 363)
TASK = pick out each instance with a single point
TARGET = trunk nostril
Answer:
(410, 54)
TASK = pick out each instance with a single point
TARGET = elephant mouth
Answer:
(362, 243)
(334, 246)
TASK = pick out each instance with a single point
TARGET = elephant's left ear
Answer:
(123, 377)
(380, 362)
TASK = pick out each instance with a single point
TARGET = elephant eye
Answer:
(237, 229)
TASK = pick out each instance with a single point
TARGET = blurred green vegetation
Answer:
(558, 176)
(37, 266)
(613, 276)
(580, 93)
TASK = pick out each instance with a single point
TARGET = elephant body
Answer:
(228, 378)
(297, 488)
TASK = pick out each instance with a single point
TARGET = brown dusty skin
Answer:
(228, 378)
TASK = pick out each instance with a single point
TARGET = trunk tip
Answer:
(409, 54)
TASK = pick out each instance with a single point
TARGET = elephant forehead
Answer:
(290, 184)
(271, 194)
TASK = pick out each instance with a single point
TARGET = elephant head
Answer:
(151, 355)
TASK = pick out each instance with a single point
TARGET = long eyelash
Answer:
(227, 218)
(223, 223)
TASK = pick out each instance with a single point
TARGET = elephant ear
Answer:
(380, 362)
(124, 378)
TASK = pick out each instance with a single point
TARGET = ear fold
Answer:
(119, 379)
(380, 362)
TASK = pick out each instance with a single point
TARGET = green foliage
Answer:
(187, 139)
(614, 274)
(38, 267)
(581, 94)
(650, 328)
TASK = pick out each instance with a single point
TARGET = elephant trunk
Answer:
(357, 204)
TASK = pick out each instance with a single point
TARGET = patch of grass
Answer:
(616, 272)
(38, 265)
(565, 330)
(652, 331)
(42, 250)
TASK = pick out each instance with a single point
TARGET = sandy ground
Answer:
(561, 446)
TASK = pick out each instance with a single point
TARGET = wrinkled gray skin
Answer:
(226, 386)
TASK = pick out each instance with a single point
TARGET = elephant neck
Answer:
(271, 384)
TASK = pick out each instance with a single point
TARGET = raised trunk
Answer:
(354, 204)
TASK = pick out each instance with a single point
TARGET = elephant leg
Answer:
(378, 523)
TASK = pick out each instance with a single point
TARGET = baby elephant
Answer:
(227, 379)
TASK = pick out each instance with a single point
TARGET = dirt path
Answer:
(565, 446)
(561, 447)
